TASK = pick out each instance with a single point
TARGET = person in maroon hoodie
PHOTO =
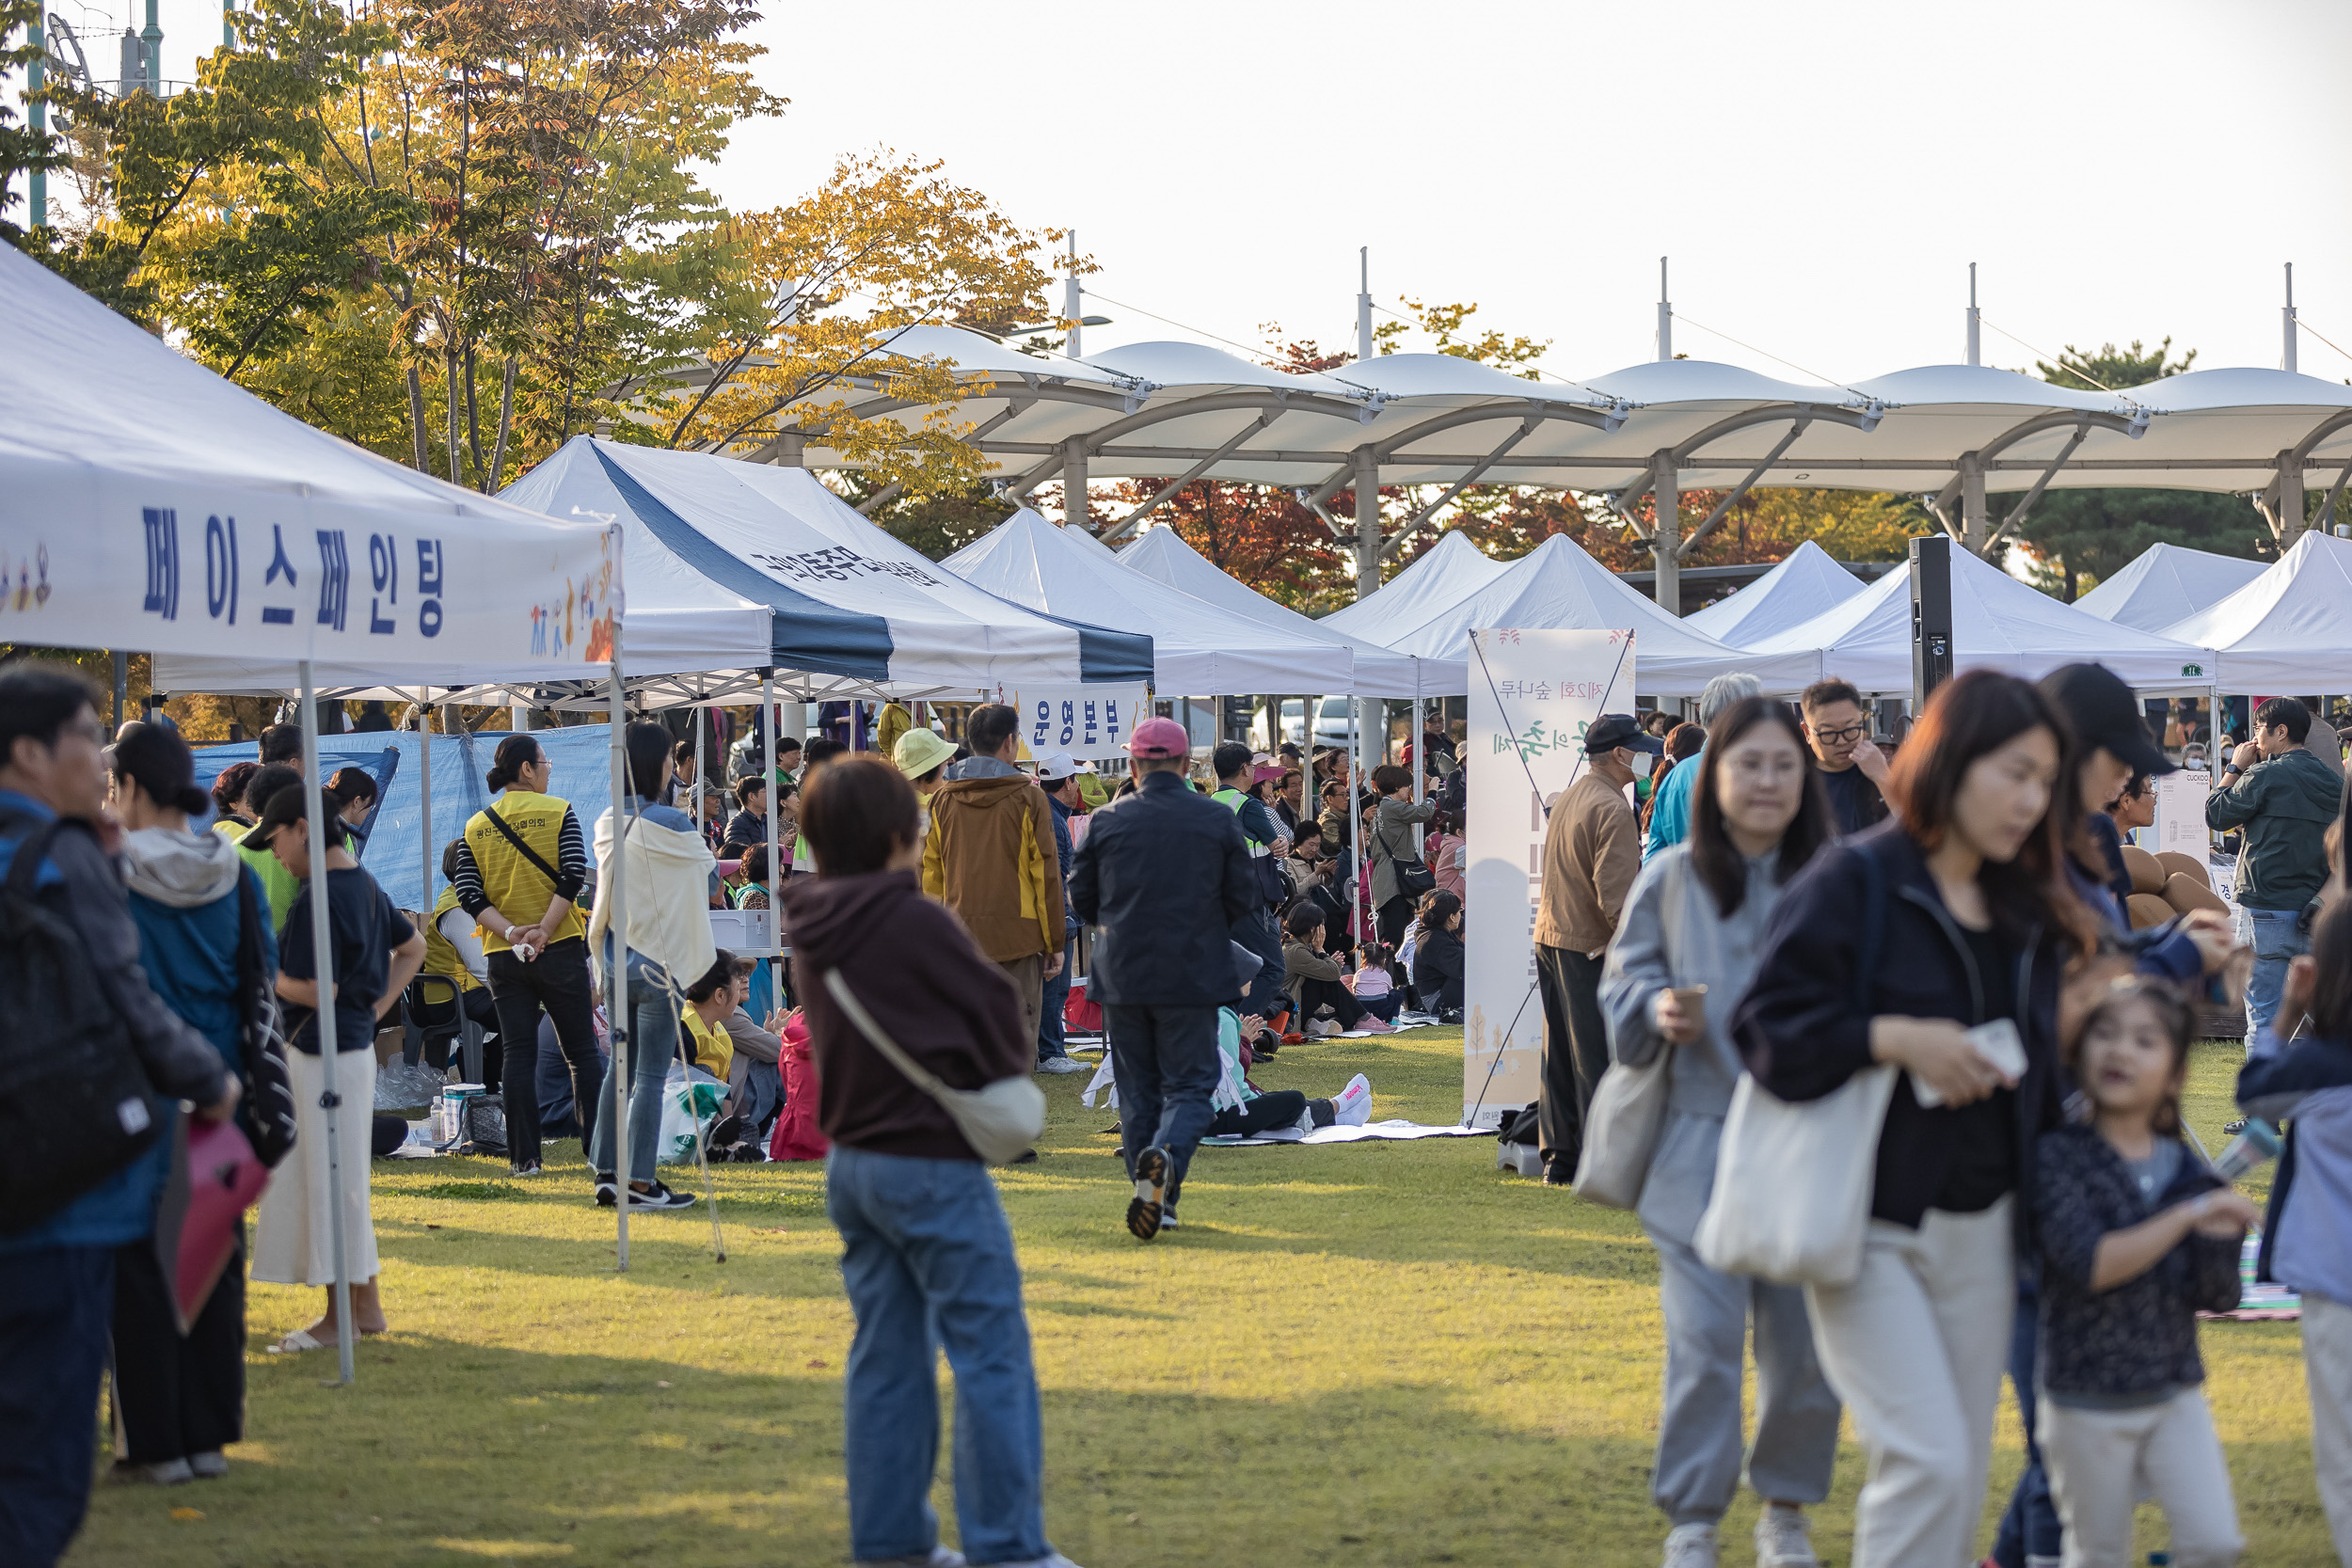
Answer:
(926, 1256)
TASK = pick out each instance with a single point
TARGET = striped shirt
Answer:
(491, 871)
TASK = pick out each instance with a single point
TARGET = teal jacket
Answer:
(2284, 805)
(1670, 818)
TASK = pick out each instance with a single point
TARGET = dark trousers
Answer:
(1384, 1009)
(1257, 932)
(1392, 918)
(1052, 1001)
(175, 1397)
(1576, 1051)
(55, 1305)
(2030, 1528)
(1282, 1108)
(1165, 1060)
(1314, 994)
(558, 981)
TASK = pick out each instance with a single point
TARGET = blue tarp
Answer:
(581, 754)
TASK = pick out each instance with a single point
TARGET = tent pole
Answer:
(702, 728)
(768, 764)
(616, 968)
(424, 781)
(322, 950)
(1356, 819)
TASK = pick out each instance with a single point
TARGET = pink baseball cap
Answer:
(1159, 738)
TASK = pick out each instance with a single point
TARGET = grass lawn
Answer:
(1379, 1354)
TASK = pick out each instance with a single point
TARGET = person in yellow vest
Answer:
(453, 949)
(276, 882)
(520, 867)
(895, 721)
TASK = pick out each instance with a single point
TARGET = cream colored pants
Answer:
(1916, 1346)
(2101, 1462)
(2327, 1368)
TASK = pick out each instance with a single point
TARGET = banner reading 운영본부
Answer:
(1532, 694)
(1088, 721)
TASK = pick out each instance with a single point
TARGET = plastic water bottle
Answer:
(2250, 1149)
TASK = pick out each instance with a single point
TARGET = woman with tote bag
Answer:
(1686, 948)
(1933, 945)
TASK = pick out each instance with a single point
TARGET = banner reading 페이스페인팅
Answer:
(1532, 696)
(1088, 721)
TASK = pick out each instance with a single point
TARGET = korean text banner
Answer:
(1088, 721)
(192, 565)
(1532, 694)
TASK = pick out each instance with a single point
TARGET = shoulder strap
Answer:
(506, 832)
(850, 1004)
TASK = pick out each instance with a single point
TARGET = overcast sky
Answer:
(1821, 175)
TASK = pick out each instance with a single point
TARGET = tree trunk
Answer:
(456, 453)
(474, 416)
(416, 418)
(506, 423)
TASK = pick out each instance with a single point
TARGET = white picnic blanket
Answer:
(1375, 1131)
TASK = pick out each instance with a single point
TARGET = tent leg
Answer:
(424, 783)
(323, 944)
(1356, 819)
(617, 1019)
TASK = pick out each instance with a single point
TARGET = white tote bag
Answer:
(1792, 1200)
(1629, 1111)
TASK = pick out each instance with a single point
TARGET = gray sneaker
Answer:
(938, 1557)
(1062, 1063)
(208, 1466)
(1784, 1539)
(1690, 1546)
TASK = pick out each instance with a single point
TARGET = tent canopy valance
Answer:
(2166, 583)
(1806, 584)
(2287, 632)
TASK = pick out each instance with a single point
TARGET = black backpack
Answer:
(73, 1093)
(267, 1113)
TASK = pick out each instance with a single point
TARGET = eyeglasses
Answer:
(1852, 732)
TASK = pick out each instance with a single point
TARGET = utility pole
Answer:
(2287, 322)
(1072, 303)
(1976, 321)
(2290, 468)
(1665, 482)
(1367, 465)
(152, 51)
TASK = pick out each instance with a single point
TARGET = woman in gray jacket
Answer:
(1388, 840)
(1685, 951)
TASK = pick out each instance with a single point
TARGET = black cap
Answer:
(282, 808)
(1612, 731)
(2105, 713)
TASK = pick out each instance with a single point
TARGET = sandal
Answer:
(296, 1342)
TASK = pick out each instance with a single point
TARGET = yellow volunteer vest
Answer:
(714, 1048)
(520, 889)
(440, 957)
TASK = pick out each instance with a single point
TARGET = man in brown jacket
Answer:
(991, 857)
(1592, 851)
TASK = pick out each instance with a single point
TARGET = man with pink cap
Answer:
(1165, 874)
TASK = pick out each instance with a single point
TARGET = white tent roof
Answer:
(2289, 629)
(146, 502)
(1801, 587)
(1198, 649)
(1162, 553)
(1998, 623)
(2166, 584)
(1556, 586)
(748, 564)
(1447, 573)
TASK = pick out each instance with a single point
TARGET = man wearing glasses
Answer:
(1854, 771)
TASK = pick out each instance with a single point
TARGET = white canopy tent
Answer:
(1447, 573)
(1556, 586)
(2287, 631)
(2166, 584)
(127, 471)
(1998, 623)
(1198, 649)
(1161, 554)
(1803, 585)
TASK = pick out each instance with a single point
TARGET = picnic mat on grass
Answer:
(1370, 1132)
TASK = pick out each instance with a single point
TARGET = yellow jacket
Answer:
(440, 957)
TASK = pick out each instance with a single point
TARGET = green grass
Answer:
(1385, 1354)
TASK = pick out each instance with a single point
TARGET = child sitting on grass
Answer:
(1243, 1110)
(2136, 1236)
(1315, 979)
(1374, 982)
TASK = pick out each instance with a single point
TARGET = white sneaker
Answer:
(1690, 1546)
(1062, 1063)
(1352, 1105)
(1784, 1539)
(1323, 1028)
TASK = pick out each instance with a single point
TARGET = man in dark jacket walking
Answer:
(57, 1269)
(1057, 775)
(2283, 796)
(1165, 874)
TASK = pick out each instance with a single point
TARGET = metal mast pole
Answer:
(1976, 321)
(2290, 469)
(424, 783)
(1367, 465)
(1666, 485)
(152, 51)
(1073, 302)
(38, 207)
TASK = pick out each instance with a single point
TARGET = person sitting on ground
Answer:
(453, 950)
(758, 1053)
(1244, 1111)
(1438, 959)
(1374, 982)
(1447, 852)
(1316, 982)
(750, 823)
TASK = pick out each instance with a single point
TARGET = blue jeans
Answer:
(927, 1260)
(2278, 939)
(1165, 1062)
(56, 1306)
(1055, 998)
(652, 1044)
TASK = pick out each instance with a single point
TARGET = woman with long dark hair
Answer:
(520, 869)
(1969, 922)
(1685, 947)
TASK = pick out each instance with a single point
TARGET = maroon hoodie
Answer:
(913, 964)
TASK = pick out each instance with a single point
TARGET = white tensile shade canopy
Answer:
(1161, 554)
(2166, 584)
(1806, 584)
(1447, 573)
(2287, 631)
(1558, 587)
(1198, 649)
(745, 566)
(1998, 623)
(146, 502)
